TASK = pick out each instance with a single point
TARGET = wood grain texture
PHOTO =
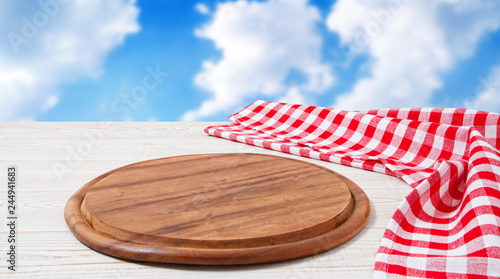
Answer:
(217, 209)
(47, 248)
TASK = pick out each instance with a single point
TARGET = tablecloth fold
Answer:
(449, 225)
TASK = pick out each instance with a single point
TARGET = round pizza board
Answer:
(217, 209)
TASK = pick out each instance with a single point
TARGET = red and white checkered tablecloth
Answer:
(449, 225)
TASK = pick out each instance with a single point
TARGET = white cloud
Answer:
(293, 96)
(487, 95)
(411, 44)
(58, 42)
(202, 9)
(261, 43)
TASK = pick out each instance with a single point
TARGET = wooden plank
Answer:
(48, 250)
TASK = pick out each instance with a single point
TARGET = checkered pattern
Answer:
(449, 225)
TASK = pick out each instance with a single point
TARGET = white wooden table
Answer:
(55, 159)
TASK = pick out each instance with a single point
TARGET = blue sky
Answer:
(88, 60)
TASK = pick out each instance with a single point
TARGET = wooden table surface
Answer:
(55, 159)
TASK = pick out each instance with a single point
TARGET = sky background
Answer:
(173, 60)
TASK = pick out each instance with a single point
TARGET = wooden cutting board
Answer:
(217, 209)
